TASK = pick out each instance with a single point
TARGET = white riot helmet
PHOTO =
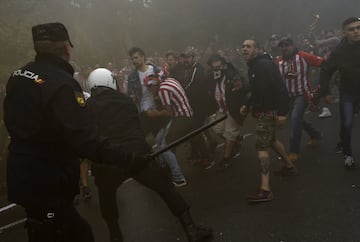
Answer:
(101, 77)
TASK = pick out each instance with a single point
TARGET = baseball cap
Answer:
(51, 32)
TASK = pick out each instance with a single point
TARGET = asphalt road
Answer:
(322, 203)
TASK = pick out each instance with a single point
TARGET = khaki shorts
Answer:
(265, 132)
(229, 128)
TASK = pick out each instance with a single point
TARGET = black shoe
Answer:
(260, 196)
(194, 233)
(198, 233)
(116, 238)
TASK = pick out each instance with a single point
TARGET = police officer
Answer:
(48, 121)
(116, 117)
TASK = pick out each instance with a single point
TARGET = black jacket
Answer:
(116, 117)
(48, 122)
(234, 98)
(345, 59)
(196, 88)
(177, 72)
(268, 91)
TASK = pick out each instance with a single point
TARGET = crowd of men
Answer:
(165, 98)
(222, 87)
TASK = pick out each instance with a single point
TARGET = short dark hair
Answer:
(349, 21)
(256, 42)
(216, 57)
(285, 41)
(134, 50)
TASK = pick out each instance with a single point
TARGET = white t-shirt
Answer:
(147, 101)
(220, 95)
(86, 95)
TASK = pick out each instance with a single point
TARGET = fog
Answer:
(103, 30)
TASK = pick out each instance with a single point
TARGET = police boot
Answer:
(115, 232)
(195, 233)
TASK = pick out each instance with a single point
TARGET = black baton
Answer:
(187, 136)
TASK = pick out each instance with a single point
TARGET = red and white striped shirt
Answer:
(172, 94)
(296, 72)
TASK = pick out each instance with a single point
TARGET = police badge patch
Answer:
(80, 99)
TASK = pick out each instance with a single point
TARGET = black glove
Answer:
(139, 162)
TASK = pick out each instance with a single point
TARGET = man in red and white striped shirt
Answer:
(173, 95)
(174, 103)
(294, 66)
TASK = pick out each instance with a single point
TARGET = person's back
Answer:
(116, 116)
(48, 121)
(38, 142)
(108, 107)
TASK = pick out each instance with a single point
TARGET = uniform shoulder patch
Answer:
(80, 99)
(39, 81)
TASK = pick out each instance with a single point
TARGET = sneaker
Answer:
(293, 157)
(325, 113)
(286, 171)
(260, 196)
(224, 164)
(208, 164)
(179, 183)
(236, 155)
(339, 148)
(220, 145)
(349, 162)
(204, 163)
(86, 192)
(236, 151)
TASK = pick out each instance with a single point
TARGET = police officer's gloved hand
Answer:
(139, 162)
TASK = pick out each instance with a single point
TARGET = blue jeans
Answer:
(298, 124)
(168, 156)
(347, 107)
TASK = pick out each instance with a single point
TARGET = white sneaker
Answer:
(325, 113)
(349, 162)
(179, 183)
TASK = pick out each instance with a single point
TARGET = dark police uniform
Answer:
(48, 122)
(116, 117)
